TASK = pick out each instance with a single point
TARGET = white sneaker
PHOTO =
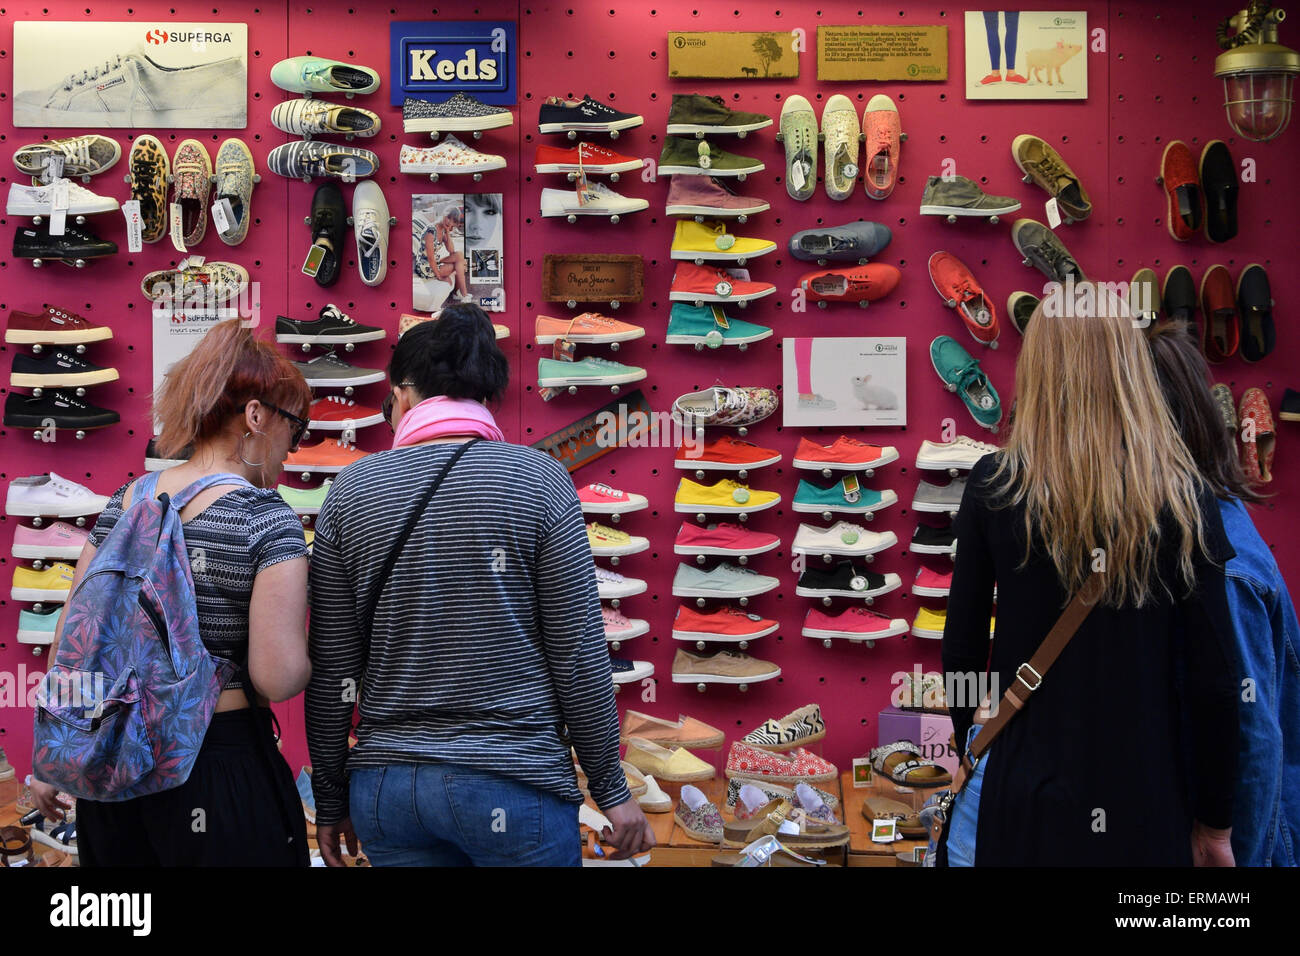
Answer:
(843, 537)
(598, 200)
(654, 800)
(961, 452)
(449, 157)
(52, 496)
(611, 585)
(370, 224)
(39, 201)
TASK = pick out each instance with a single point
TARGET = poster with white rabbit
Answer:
(1026, 55)
(844, 381)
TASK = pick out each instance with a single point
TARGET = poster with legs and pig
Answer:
(1026, 55)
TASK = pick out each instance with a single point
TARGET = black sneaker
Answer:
(155, 462)
(845, 580)
(1255, 306)
(55, 368)
(61, 409)
(333, 327)
(1020, 306)
(329, 220)
(1179, 297)
(77, 244)
(1290, 406)
(1044, 250)
(558, 115)
(1219, 183)
(931, 539)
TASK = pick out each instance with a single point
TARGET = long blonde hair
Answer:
(1092, 450)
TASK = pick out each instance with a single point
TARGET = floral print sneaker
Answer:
(191, 182)
(235, 178)
(211, 282)
(448, 157)
(699, 817)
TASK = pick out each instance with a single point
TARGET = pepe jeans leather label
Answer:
(593, 278)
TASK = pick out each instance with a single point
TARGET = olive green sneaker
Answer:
(702, 158)
(962, 374)
(1044, 166)
(1044, 250)
(958, 196)
(799, 136)
(694, 114)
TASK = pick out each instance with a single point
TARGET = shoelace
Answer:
(368, 234)
(607, 490)
(72, 79)
(609, 577)
(64, 487)
(143, 174)
(972, 443)
(76, 152)
(1051, 169)
(338, 314)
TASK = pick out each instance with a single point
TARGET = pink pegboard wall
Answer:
(1153, 82)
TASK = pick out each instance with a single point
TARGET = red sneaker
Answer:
(855, 623)
(958, 288)
(1182, 184)
(692, 283)
(53, 327)
(726, 454)
(860, 284)
(844, 452)
(1257, 455)
(994, 77)
(724, 624)
(589, 156)
(930, 583)
(1014, 77)
(601, 499)
(334, 413)
(1221, 330)
(724, 538)
(882, 131)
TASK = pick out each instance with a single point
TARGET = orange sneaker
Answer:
(960, 290)
(409, 321)
(329, 457)
(883, 131)
(589, 327)
(994, 77)
(692, 283)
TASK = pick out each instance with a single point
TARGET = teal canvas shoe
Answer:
(962, 374)
(315, 74)
(36, 628)
(709, 325)
(552, 373)
(846, 496)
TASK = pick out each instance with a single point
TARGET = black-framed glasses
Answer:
(299, 424)
(387, 406)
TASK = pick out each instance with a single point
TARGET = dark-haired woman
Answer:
(478, 634)
(1266, 806)
(242, 406)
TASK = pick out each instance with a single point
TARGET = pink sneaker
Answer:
(797, 766)
(724, 538)
(706, 196)
(601, 499)
(855, 623)
(930, 583)
(59, 540)
(883, 131)
(621, 628)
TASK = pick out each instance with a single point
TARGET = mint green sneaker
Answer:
(845, 497)
(305, 501)
(36, 628)
(962, 374)
(315, 74)
(799, 136)
(552, 373)
(702, 158)
(708, 325)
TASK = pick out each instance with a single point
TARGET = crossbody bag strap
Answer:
(391, 561)
(1029, 676)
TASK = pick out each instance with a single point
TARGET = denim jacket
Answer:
(1266, 808)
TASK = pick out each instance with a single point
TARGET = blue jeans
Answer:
(966, 812)
(445, 814)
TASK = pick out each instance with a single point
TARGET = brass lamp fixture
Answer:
(1258, 73)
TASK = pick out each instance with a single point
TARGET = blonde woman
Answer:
(1126, 754)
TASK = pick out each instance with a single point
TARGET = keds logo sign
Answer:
(434, 60)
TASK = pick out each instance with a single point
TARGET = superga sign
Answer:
(432, 61)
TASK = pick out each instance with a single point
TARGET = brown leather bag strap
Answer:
(1029, 676)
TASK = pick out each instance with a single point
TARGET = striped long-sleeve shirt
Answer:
(487, 646)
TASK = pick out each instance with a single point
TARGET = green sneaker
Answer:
(315, 74)
(709, 325)
(959, 196)
(799, 135)
(682, 155)
(962, 374)
(552, 373)
(305, 501)
(696, 114)
(845, 497)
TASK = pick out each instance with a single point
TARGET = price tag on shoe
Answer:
(134, 225)
(564, 350)
(59, 196)
(223, 216)
(177, 221)
(852, 490)
(52, 168)
(862, 773)
(314, 259)
(1053, 212)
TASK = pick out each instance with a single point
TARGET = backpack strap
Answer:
(188, 493)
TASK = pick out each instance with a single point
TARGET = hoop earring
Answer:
(240, 450)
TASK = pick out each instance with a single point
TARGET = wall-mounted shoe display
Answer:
(599, 498)
(1045, 251)
(845, 496)
(842, 538)
(39, 200)
(955, 197)
(370, 224)
(853, 623)
(205, 282)
(860, 284)
(726, 581)
(51, 496)
(586, 327)
(959, 454)
(316, 74)
(149, 172)
(609, 542)
(846, 580)
(552, 373)
(709, 283)
(76, 247)
(191, 185)
(53, 326)
(586, 157)
(724, 624)
(59, 540)
(337, 413)
(733, 407)
(1257, 455)
(593, 199)
(724, 497)
(329, 456)
(704, 241)
(330, 371)
(311, 117)
(85, 156)
(709, 326)
(800, 137)
(725, 453)
(51, 585)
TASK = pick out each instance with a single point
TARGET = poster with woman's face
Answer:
(457, 251)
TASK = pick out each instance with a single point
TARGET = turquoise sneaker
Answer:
(845, 496)
(708, 325)
(315, 74)
(552, 373)
(962, 374)
(36, 628)
(305, 501)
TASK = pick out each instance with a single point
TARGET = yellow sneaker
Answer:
(710, 240)
(674, 765)
(610, 542)
(726, 497)
(930, 624)
(52, 584)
